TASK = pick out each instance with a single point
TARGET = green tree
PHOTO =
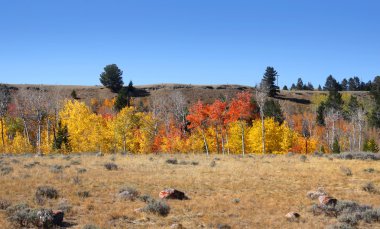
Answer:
(268, 82)
(374, 117)
(336, 146)
(124, 96)
(5, 99)
(61, 138)
(370, 146)
(112, 77)
(273, 109)
(299, 84)
(321, 114)
(285, 88)
(74, 94)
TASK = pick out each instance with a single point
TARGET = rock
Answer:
(50, 217)
(57, 217)
(127, 195)
(292, 216)
(171, 193)
(327, 200)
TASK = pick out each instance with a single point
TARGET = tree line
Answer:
(251, 122)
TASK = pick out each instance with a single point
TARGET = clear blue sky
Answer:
(188, 41)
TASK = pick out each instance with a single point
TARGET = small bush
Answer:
(358, 156)
(83, 194)
(145, 198)
(183, 163)
(24, 217)
(64, 206)
(4, 204)
(158, 207)
(56, 169)
(172, 161)
(346, 171)
(110, 166)
(303, 158)
(212, 163)
(290, 154)
(45, 192)
(351, 219)
(5, 170)
(31, 165)
(369, 187)
(75, 162)
(369, 170)
(81, 170)
(76, 180)
(128, 193)
(194, 163)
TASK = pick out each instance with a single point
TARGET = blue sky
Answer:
(188, 41)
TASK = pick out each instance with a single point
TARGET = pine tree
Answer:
(336, 146)
(285, 88)
(74, 94)
(111, 77)
(62, 138)
(273, 109)
(321, 114)
(268, 82)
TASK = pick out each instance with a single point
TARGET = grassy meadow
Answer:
(251, 192)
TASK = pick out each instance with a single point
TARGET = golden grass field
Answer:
(268, 187)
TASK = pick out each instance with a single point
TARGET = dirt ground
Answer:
(251, 192)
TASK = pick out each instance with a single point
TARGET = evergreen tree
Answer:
(272, 108)
(336, 146)
(124, 96)
(61, 138)
(293, 87)
(374, 117)
(285, 88)
(344, 84)
(334, 99)
(268, 82)
(74, 94)
(331, 84)
(321, 114)
(299, 85)
(309, 87)
(111, 77)
(319, 88)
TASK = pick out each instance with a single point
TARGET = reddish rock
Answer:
(327, 200)
(292, 216)
(171, 193)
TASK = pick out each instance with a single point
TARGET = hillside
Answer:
(299, 101)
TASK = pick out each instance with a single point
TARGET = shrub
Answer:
(75, 162)
(172, 161)
(110, 166)
(76, 180)
(43, 192)
(158, 207)
(194, 163)
(128, 193)
(4, 204)
(23, 216)
(56, 169)
(83, 194)
(145, 198)
(64, 205)
(81, 170)
(5, 170)
(351, 219)
(358, 156)
(31, 165)
(369, 170)
(212, 163)
(369, 187)
(303, 158)
(346, 171)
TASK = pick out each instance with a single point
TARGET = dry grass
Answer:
(266, 187)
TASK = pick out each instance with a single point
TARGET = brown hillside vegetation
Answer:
(251, 192)
(299, 101)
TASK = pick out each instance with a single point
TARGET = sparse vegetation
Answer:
(157, 207)
(110, 166)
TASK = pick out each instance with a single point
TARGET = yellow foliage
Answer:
(83, 126)
(235, 137)
(278, 138)
(20, 145)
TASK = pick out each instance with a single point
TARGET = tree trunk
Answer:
(124, 143)
(2, 131)
(217, 140)
(205, 142)
(242, 139)
(223, 151)
(228, 146)
(263, 132)
(39, 137)
(306, 144)
(26, 131)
